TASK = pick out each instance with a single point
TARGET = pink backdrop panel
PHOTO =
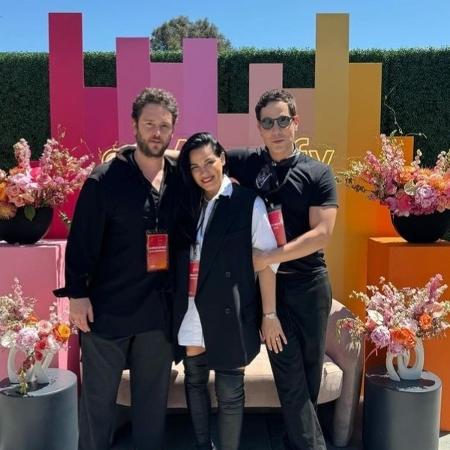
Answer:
(40, 269)
(169, 76)
(101, 119)
(199, 101)
(66, 77)
(233, 130)
(304, 99)
(262, 77)
(133, 75)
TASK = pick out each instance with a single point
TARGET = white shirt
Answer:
(190, 332)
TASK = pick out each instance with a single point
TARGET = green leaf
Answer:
(29, 212)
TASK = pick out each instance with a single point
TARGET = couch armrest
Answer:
(350, 358)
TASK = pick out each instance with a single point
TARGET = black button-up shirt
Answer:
(106, 248)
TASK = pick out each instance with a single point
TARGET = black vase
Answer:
(20, 230)
(422, 229)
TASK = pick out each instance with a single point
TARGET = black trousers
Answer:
(303, 309)
(229, 386)
(149, 357)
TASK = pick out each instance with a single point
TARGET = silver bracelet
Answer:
(270, 315)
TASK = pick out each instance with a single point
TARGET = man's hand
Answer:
(273, 334)
(81, 313)
(259, 260)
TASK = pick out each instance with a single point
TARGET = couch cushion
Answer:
(260, 391)
(331, 383)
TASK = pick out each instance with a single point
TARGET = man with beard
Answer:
(117, 262)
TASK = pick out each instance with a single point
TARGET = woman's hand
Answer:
(273, 334)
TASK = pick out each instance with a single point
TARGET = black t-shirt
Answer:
(296, 184)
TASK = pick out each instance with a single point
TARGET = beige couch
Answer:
(341, 382)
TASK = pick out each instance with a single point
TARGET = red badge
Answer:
(157, 251)
(277, 224)
(194, 266)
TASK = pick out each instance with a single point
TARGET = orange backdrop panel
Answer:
(406, 264)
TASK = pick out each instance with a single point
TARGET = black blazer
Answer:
(226, 297)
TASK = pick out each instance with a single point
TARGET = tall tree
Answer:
(169, 35)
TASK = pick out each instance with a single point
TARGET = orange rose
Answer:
(15, 170)
(437, 182)
(424, 173)
(406, 175)
(425, 321)
(404, 336)
(31, 319)
(3, 196)
(61, 332)
(7, 210)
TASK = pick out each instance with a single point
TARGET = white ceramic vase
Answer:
(37, 372)
(404, 372)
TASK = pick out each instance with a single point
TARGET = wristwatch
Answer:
(270, 315)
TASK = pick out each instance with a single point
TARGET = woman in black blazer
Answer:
(216, 310)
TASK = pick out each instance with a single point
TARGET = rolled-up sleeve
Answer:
(85, 241)
(262, 234)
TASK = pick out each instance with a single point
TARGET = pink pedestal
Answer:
(40, 269)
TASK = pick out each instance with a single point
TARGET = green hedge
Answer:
(417, 82)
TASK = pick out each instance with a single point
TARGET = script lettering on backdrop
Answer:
(324, 156)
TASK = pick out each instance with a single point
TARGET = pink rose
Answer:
(44, 327)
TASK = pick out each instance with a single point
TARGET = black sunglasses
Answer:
(283, 122)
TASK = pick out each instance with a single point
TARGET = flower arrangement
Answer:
(404, 189)
(397, 318)
(21, 328)
(57, 175)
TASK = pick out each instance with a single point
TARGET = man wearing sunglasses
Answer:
(300, 194)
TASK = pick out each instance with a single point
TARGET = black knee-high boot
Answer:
(196, 374)
(230, 399)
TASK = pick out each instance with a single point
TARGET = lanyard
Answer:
(273, 173)
(151, 198)
(201, 221)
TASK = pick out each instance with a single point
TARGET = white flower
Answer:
(8, 340)
(375, 316)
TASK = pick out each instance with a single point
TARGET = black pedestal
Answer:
(401, 415)
(46, 419)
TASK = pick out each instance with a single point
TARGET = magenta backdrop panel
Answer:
(101, 119)
(169, 76)
(199, 101)
(233, 130)
(262, 77)
(133, 75)
(66, 77)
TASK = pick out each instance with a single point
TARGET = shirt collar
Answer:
(226, 189)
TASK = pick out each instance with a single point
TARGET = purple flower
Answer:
(396, 348)
(425, 196)
(380, 336)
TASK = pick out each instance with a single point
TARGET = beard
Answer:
(153, 150)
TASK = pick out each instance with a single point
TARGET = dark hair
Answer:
(276, 95)
(158, 97)
(196, 141)
(193, 193)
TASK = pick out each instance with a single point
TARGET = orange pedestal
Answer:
(406, 264)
